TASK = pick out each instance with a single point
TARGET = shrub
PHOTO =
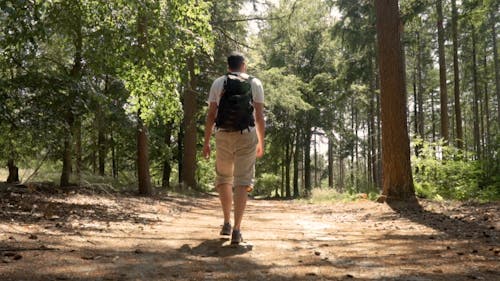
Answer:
(266, 183)
(444, 172)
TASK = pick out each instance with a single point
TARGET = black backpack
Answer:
(235, 112)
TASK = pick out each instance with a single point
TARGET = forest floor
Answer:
(81, 235)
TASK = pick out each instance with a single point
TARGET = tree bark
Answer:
(372, 150)
(167, 167)
(315, 162)
(75, 74)
(372, 131)
(296, 161)
(101, 135)
(180, 154)
(442, 74)
(67, 153)
(144, 178)
(78, 148)
(456, 77)
(433, 118)
(415, 103)
(114, 162)
(420, 90)
(101, 144)
(340, 185)
(397, 176)
(145, 187)
(475, 105)
(493, 20)
(330, 163)
(13, 176)
(190, 109)
(288, 152)
(307, 158)
(487, 134)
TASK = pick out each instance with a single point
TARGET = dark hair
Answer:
(235, 60)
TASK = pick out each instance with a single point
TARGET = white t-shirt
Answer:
(218, 86)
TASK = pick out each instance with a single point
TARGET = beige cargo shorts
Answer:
(235, 157)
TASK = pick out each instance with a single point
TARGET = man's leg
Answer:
(226, 200)
(240, 202)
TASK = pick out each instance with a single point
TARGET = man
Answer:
(236, 103)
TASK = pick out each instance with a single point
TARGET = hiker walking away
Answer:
(236, 103)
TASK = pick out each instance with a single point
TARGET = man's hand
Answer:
(260, 150)
(206, 150)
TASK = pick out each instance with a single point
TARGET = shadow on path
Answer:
(217, 248)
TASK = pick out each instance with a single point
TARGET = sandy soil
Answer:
(75, 236)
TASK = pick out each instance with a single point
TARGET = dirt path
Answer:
(97, 237)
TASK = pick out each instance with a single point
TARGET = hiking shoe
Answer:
(226, 229)
(236, 237)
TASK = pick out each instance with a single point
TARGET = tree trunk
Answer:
(415, 103)
(456, 77)
(75, 74)
(167, 167)
(282, 185)
(397, 179)
(420, 91)
(307, 158)
(67, 153)
(145, 187)
(475, 104)
(101, 136)
(114, 163)
(101, 144)
(487, 134)
(13, 176)
(378, 153)
(190, 108)
(78, 148)
(180, 154)
(340, 185)
(481, 127)
(288, 152)
(433, 118)
(442, 73)
(296, 164)
(372, 142)
(493, 20)
(144, 178)
(93, 154)
(330, 162)
(315, 161)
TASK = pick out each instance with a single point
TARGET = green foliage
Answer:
(444, 172)
(266, 184)
(328, 195)
(205, 173)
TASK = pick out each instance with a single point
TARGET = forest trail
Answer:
(117, 237)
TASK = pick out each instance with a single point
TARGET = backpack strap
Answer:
(224, 85)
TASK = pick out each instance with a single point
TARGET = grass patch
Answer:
(327, 195)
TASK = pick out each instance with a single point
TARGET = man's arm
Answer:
(260, 125)
(209, 125)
